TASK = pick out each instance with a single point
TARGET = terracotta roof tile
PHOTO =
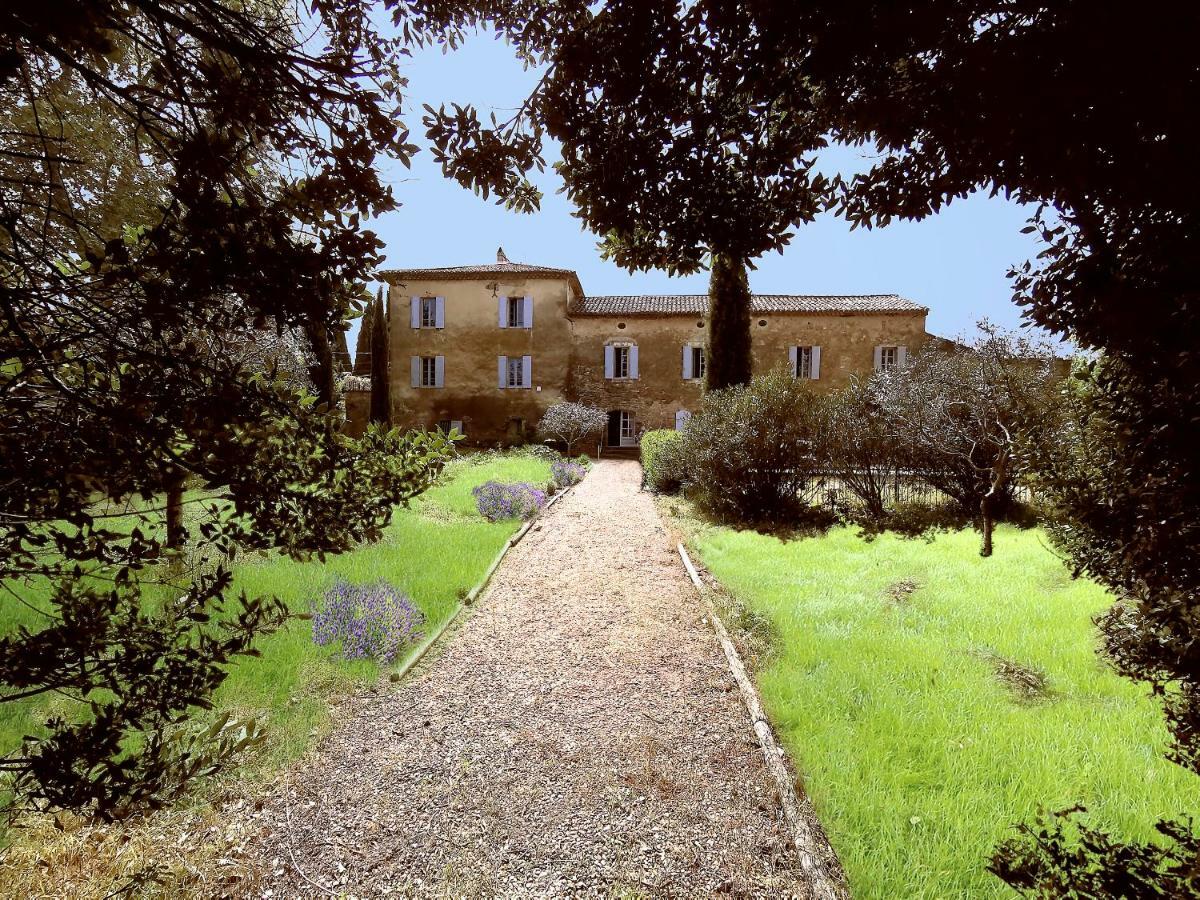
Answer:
(697, 304)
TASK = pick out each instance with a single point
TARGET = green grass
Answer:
(435, 551)
(917, 756)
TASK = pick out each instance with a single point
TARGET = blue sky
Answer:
(955, 263)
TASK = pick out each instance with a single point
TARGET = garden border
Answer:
(473, 594)
(797, 810)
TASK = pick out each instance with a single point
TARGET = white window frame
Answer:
(889, 357)
(699, 362)
(628, 429)
(428, 371)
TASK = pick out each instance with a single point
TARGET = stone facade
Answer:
(450, 353)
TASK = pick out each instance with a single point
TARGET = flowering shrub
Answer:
(565, 473)
(371, 621)
(496, 501)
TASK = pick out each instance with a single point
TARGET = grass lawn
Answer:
(435, 551)
(918, 755)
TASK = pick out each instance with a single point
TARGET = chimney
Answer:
(500, 257)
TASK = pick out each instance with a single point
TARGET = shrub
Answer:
(749, 451)
(496, 501)
(565, 473)
(374, 621)
(662, 462)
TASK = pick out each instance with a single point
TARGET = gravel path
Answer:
(580, 735)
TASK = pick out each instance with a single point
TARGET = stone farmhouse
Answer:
(487, 348)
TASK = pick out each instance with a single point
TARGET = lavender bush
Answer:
(496, 501)
(565, 472)
(374, 621)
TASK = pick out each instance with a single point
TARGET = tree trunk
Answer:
(729, 361)
(381, 388)
(987, 506)
(176, 533)
(321, 371)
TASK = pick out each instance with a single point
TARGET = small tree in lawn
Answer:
(860, 445)
(381, 388)
(961, 410)
(571, 423)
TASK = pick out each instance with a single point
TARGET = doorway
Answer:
(622, 428)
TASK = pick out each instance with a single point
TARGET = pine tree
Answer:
(729, 362)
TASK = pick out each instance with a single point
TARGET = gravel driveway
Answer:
(580, 735)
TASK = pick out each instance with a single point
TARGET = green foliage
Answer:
(883, 683)
(749, 451)
(729, 362)
(170, 219)
(662, 462)
(1062, 856)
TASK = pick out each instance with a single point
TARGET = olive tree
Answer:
(571, 423)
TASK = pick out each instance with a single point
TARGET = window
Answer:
(620, 362)
(806, 362)
(428, 312)
(693, 362)
(889, 358)
(446, 426)
(428, 371)
(803, 362)
(516, 371)
(516, 312)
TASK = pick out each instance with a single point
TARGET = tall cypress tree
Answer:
(381, 388)
(729, 361)
(362, 347)
(341, 352)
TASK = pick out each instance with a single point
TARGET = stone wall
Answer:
(471, 343)
(847, 345)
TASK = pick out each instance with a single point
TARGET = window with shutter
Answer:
(889, 358)
(429, 312)
(516, 312)
(428, 371)
(804, 363)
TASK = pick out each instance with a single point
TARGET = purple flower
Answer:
(497, 502)
(371, 621)
(566, 473)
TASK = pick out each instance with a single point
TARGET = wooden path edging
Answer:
(812, 862)
(474, 593)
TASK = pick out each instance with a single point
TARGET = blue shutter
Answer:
(416, 371)
(633, 362)
(439, 312)
(526, 371)
(528, 312)
(503, 372)
(415, 312)
(439, 371)
(608, 361)
(816, 363)
(687, 361)
(502, 304)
